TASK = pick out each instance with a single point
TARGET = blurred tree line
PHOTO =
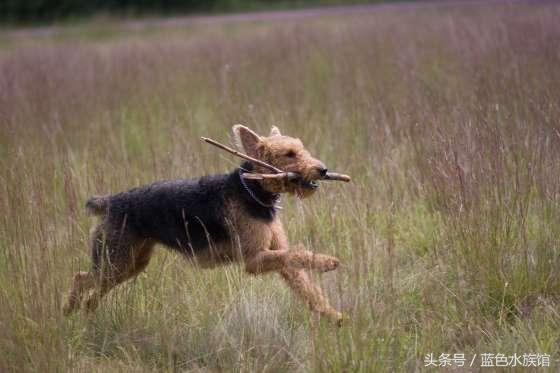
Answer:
(29, 11)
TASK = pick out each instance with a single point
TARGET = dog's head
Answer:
(283, 152)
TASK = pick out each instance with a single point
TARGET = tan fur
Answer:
(83, 281)
(265, 248)
(284, 152)
(262, 246)
(300, 283)
(113, 273)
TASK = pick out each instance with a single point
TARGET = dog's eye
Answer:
(290, 154)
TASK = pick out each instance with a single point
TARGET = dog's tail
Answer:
(97, 205)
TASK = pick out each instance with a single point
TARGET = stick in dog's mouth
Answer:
(289, 176)
(295, 177)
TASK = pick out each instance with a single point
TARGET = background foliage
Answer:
(19, 11)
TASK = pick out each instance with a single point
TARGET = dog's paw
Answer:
(329, 263)
(67, 309)
(91, 303)
(334, 317)
(340, 319)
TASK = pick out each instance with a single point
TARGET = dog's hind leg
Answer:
(121, 262)
(83, 281)
(301, 284)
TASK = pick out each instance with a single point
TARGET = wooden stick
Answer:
(337, 177)
(330, 176)
(241, 155)
(279, 173)
(283, 175)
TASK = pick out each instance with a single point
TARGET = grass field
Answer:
(446, 116)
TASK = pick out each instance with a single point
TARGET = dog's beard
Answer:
(276, 186)
(303, 193)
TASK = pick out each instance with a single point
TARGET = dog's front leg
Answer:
(300, 257)
(301, 284)
(273, 254)
(291, 265)
(298, 280)
(275, 260)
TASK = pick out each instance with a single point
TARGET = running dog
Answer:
(215, 219)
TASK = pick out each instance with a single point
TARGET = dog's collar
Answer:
(275, 196)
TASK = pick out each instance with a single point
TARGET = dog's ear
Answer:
(246, 140)
(274, 131)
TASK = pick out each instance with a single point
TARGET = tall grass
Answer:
(446, 116)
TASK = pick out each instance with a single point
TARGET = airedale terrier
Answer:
(216, 219)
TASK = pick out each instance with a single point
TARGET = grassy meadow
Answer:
(446, 116)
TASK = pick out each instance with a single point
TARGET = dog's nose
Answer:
(322, 170)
